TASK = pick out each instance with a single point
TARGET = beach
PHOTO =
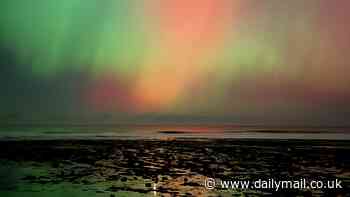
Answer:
(168, 166)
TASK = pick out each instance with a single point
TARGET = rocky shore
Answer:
(169, 167)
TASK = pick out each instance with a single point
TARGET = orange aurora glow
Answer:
(190, 33)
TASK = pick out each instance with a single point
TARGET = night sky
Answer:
(206, 61)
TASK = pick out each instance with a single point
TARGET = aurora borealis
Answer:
(225, 60)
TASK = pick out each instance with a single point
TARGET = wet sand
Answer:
(167, 167)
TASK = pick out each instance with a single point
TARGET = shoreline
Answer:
(177, 136)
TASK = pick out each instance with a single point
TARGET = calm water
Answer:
(160, 131)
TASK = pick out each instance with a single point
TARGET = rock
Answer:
(123, 179)
(29, 177)
(164, 178)
(185, 180)
(148, 185)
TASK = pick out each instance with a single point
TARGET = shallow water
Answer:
(168, 167)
